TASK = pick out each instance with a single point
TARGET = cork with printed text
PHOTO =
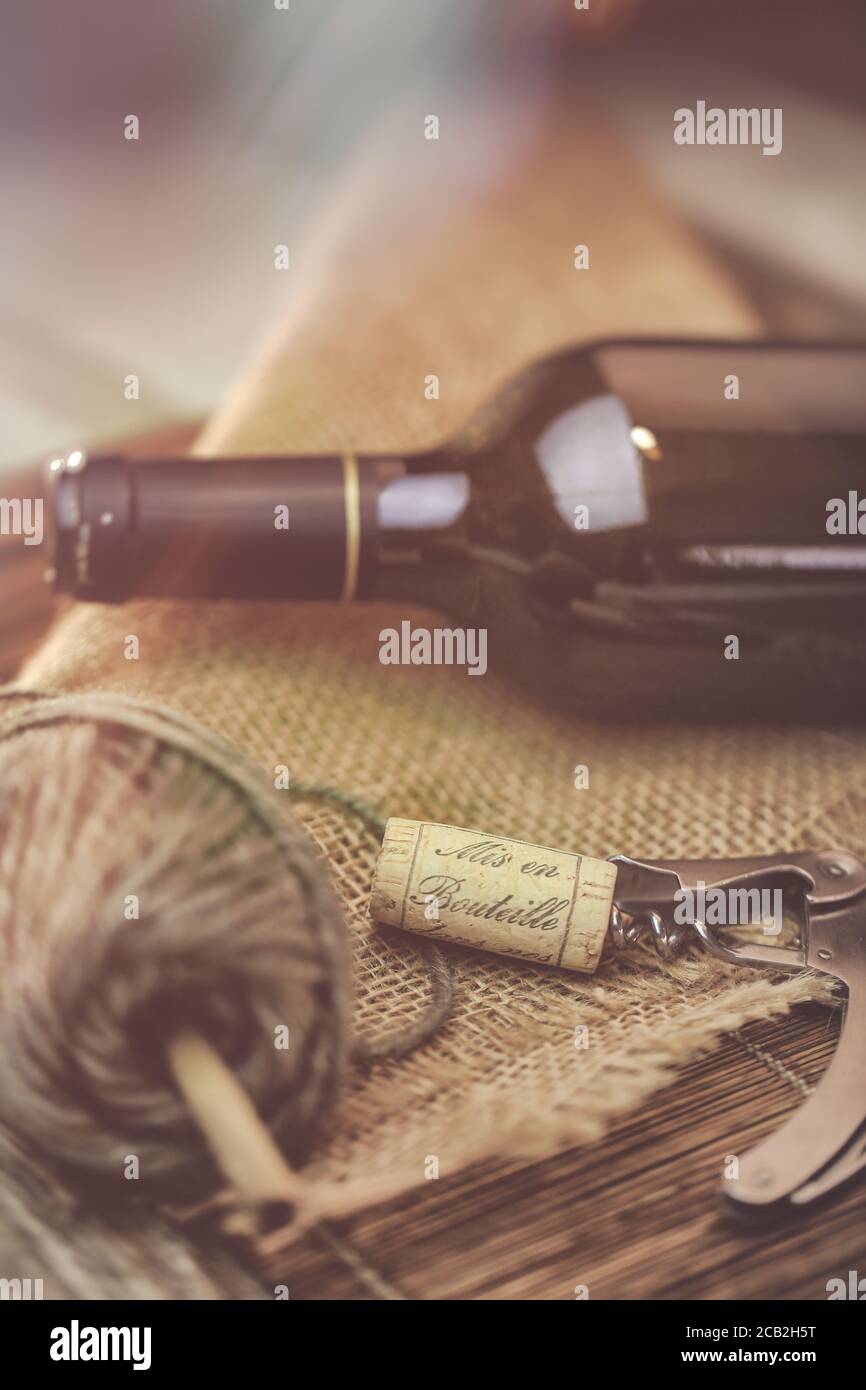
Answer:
(518, 899)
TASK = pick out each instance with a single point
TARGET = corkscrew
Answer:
(559, 909)
(824, 1143)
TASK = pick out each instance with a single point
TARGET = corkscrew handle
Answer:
(824, 1143)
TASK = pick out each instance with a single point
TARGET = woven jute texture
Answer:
(473, 294)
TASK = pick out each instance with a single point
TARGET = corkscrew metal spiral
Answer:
(628, 930)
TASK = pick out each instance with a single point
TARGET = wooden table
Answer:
(637, 1216)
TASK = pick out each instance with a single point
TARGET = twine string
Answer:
(241, 1143)
(439, 978)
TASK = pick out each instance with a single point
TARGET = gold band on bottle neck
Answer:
(352, 496)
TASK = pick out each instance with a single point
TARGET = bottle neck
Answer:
(255, 528)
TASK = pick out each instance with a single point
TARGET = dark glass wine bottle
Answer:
(630, 493)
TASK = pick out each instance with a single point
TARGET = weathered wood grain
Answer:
(635, 1217)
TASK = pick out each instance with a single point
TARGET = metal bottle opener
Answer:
(824, 1143)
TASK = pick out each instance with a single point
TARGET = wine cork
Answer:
(497, 894)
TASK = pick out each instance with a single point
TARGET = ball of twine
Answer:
(150, 881)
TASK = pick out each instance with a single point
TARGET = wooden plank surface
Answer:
(637, 1216)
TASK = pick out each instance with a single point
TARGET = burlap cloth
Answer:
(401, 280)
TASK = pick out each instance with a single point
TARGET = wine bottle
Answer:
(638, 491)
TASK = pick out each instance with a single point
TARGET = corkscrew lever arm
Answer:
(824, 1143)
